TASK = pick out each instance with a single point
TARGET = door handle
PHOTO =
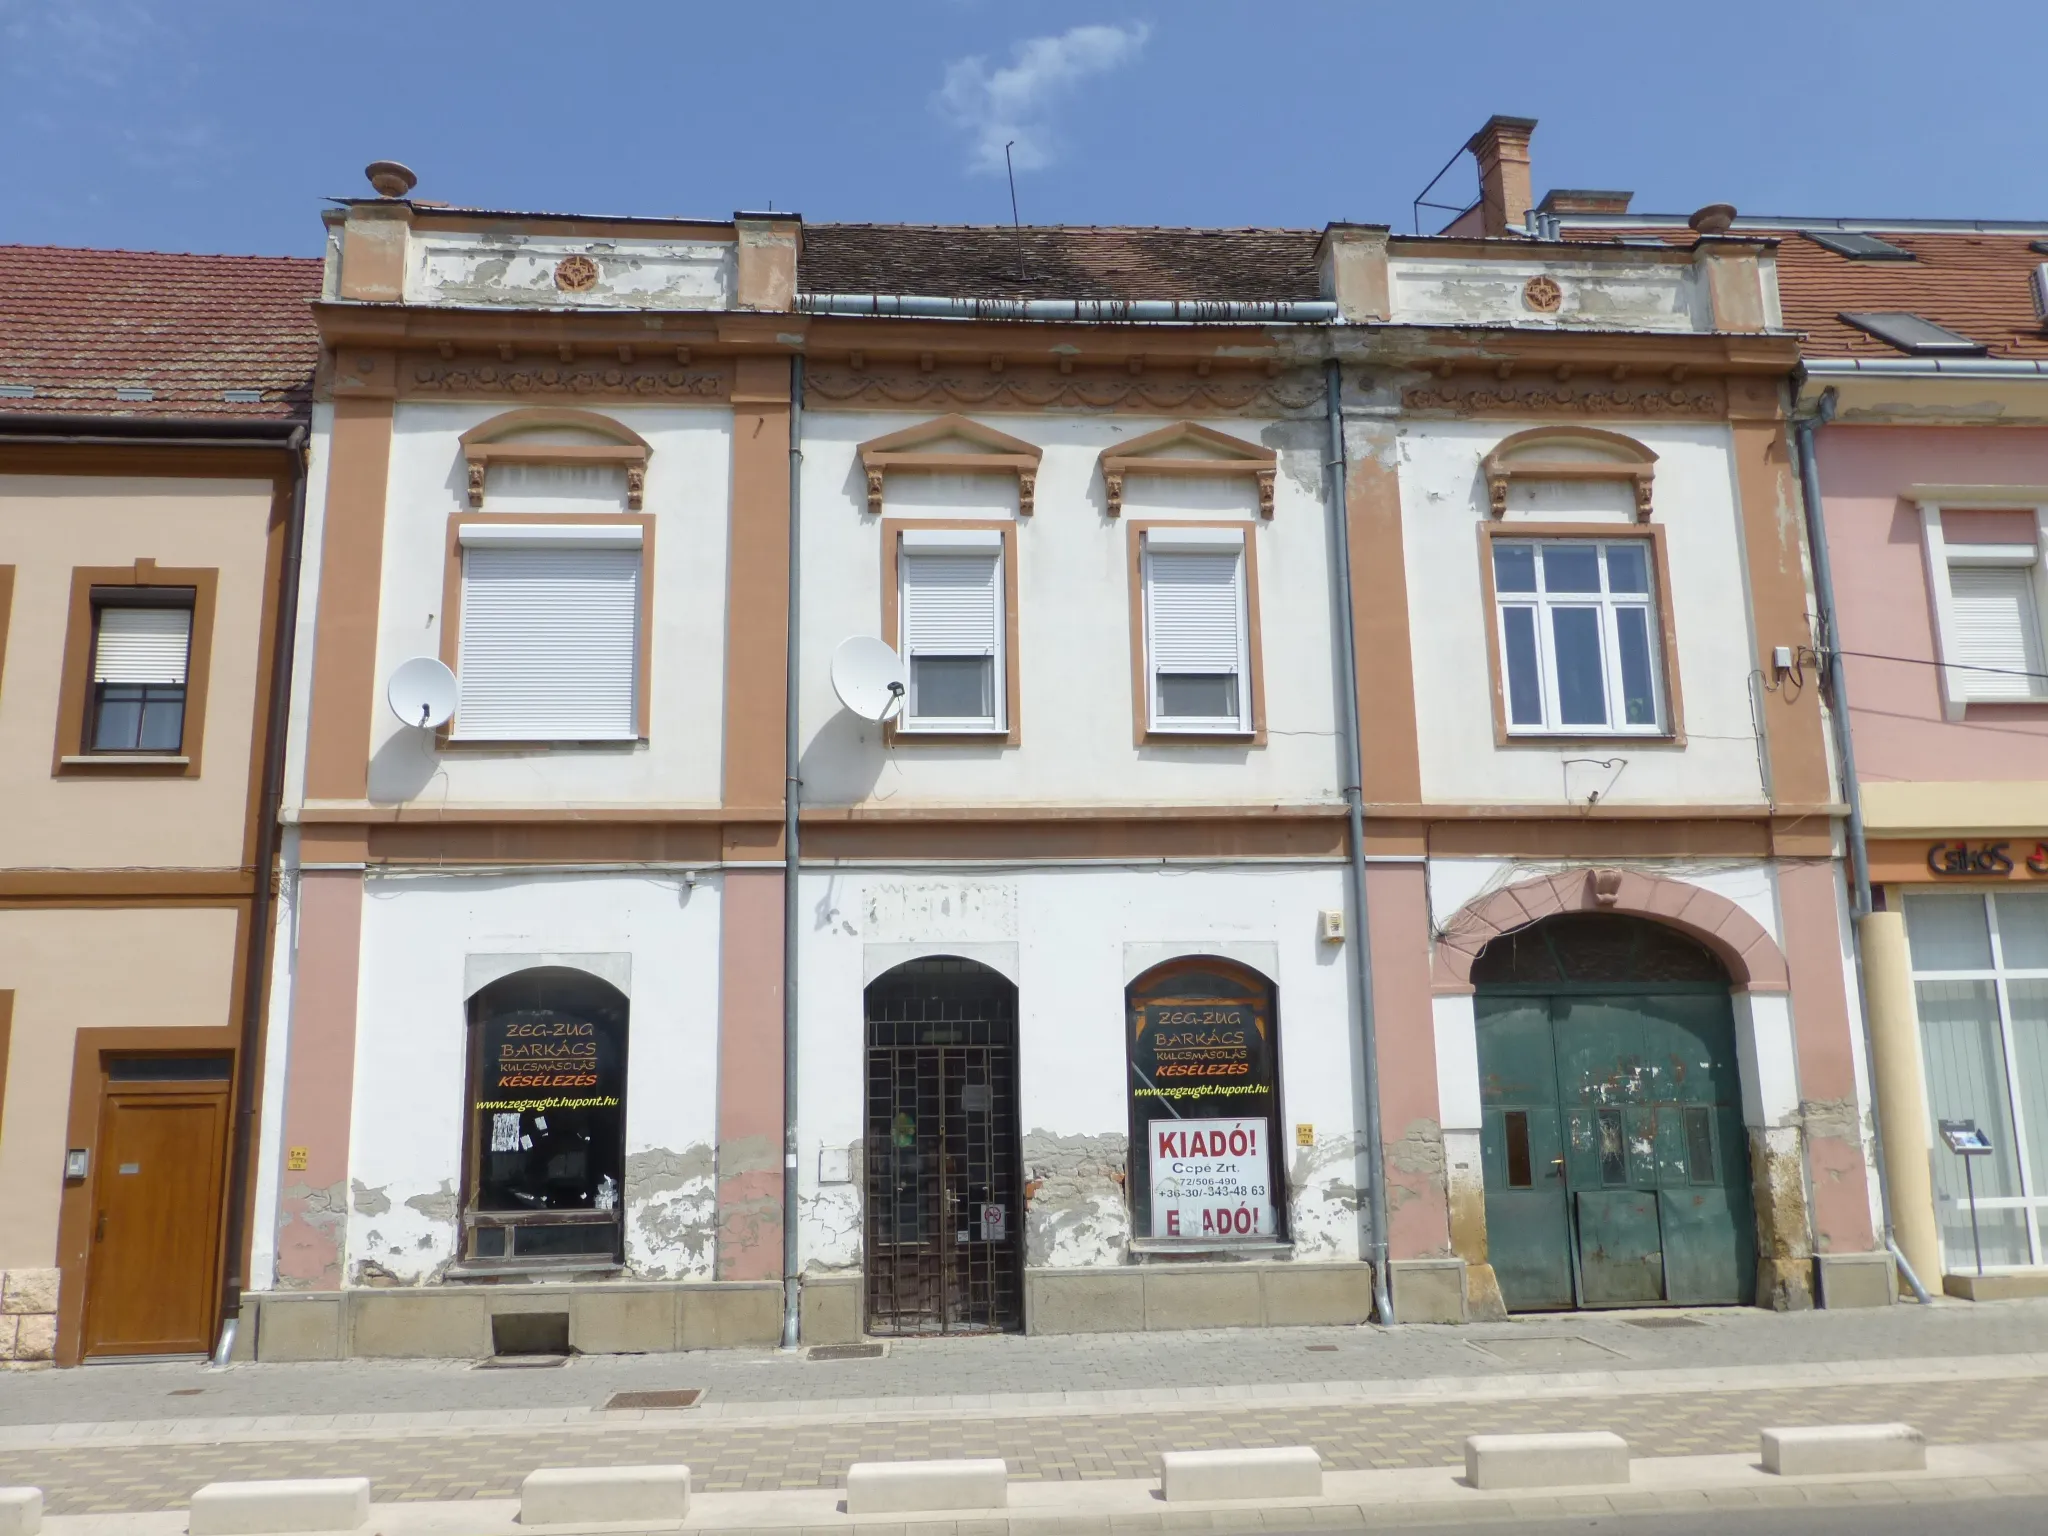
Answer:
(100, 1232)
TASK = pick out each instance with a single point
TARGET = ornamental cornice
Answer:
(1487, 394)
(594, 380)
(1181, 394)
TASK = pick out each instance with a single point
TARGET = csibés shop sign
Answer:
(1203, 1104)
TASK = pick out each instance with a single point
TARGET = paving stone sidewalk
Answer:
(1722, 1338)
(726, 1456)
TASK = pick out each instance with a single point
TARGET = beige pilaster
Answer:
(1896, 1076)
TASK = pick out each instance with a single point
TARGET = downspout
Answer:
(791, 789)
(256, 974)
(1354, 803)
(1845, 752)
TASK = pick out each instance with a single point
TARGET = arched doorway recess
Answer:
(944, 1248)
(1615, 1158)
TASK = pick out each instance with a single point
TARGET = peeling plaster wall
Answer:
(460, 267)
(1074, 638)
(1443, 504)
(406, 1140)
(1638, 297)
(1069, 928)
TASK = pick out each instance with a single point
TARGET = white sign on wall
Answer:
(1210, 1178)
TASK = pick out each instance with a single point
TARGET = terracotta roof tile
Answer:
(1977, 284)
(78, 326)
(1061, 262)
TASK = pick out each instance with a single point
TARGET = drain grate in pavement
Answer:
(680, 1397)
(847, 1352)
(186, 1391)
(1322, 1349)
(521, 1362)
(1552, 1349)
(1663, 1322)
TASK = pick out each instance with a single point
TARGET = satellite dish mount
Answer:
(869, 678)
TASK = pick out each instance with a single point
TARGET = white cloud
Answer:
(1015, 102)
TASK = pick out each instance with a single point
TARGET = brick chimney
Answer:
(1502, 150)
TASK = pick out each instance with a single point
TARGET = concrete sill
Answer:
(126, 760)
(1198, 1245)
(535, 1269)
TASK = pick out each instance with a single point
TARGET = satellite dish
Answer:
(422, 692)
(868, 677)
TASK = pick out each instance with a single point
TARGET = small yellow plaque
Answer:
(1304, 1135)
(296, 1158)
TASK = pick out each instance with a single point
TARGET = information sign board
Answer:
(1211, 1178)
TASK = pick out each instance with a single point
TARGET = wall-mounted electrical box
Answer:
(1330, 925)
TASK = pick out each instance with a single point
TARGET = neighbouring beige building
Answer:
(153, 415)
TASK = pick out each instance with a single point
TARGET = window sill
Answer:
(534, 1269)
(1186, 735)
(1145, 1246)
(1583, 738)
(90, 760)
(537, 743)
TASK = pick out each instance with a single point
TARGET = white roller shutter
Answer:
(1194, 610)
(1997, 626)
(550, 643)
(142, 645)
(952, 603)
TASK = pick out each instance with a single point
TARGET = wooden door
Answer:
(152, 1264)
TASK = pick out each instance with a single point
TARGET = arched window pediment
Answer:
(1569, 453)
(551, 435)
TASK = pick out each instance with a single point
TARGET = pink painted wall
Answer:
(1884, 604)
(1418, 1208)
(319, 1086)
(750, 1076)
(1815, 958)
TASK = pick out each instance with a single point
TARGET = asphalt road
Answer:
(1992, 1517)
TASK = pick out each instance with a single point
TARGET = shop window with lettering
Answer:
(547, 1121)
(1205, 1167)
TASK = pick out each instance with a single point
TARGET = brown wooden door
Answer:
(150, 1272)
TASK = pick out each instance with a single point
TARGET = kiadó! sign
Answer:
(1210, 1179)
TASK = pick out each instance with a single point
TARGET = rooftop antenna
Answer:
(1015, 223)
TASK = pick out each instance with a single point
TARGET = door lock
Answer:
(100, 1232)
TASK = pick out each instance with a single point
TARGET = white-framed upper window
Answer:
(951, 630)
(1578, 631)
(550, 632)
(1986, 572)
(1197, 631)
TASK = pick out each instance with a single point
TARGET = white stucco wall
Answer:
(410, 1098)
(1071, 938)
(1443, 505)
(1074, 643)
(688, 494)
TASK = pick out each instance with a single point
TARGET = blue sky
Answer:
(221, 124)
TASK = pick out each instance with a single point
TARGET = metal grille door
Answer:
(944, 1232)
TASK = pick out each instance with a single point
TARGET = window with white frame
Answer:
(1197, 631)
(1980, 983)
(951, 629)
(550, 632)
(1578, 629)
(1987, 579)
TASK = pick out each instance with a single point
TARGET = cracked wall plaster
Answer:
(1076, 1213)
(671, 1213)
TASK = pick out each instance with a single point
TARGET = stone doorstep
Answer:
(1662, 1481)
(2011, 1285)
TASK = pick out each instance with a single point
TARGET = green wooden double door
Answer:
(1617, 1166)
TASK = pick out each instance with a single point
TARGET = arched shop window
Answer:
(546, 1155)
(1206, 1168)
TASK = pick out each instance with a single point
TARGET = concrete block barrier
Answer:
(904, 1487)
(1272, 1472)
(1545, 1461)
(278, 1508)
(593, 1495)
(21, 1511)
(1818, 1448)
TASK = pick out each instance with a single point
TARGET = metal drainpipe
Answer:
(1845, 752)
(1354, 800)
(791, 789)
(256, 973)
